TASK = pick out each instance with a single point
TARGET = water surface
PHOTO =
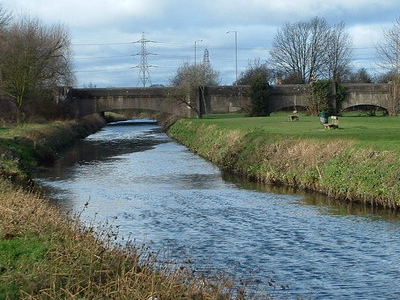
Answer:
(178, 203)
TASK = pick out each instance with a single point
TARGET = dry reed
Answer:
(79, 264)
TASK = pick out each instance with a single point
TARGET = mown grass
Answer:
(382, 133)
(358, 162)
(45, 254)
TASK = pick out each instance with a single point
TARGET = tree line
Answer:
(35, 60)
(304, 52)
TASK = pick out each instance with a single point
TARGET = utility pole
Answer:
(236, 53)
(144, 74)
(195, 51)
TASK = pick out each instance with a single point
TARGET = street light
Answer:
(195, 50)
(236, 53)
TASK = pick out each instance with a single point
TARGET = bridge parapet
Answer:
(221, 99)
(160, 99)
(377, 94)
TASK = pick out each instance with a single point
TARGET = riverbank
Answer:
(302, 155)
(45, 254)
(24, 146)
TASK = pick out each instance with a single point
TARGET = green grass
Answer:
(358, 162)
(17, 256)
(381, 133)
(23, 146)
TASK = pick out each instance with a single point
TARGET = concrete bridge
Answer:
(221, 99)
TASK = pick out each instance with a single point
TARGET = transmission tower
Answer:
(206, 57)
(144, 74)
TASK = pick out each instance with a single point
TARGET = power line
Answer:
(102, 44)
(103, 57)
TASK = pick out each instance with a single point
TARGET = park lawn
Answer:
(379, 133)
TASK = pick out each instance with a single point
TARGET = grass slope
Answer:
(358, 162)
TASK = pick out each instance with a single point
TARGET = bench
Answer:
(335, 120)
(331, 126)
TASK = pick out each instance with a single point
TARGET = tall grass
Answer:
(45, 254)
(22, 147)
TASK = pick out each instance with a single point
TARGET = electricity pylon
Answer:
(144, 74)
(206, 57)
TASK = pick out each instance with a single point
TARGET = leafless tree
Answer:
(389, 55)
(389, 49)
(339, 49)
(190, 77)
(34, 59)
(310, 49)
(5, 18)
(255, 69)
(195, 75)
(359, 76)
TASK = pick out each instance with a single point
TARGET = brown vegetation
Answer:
(46, 254)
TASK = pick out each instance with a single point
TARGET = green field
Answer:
(381, 133)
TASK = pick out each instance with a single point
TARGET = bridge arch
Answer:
(221, 99)
(367, 95)
(99, 100)
(368, 109)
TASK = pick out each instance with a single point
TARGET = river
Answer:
(157, 191)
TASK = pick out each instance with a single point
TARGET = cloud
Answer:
(88, 12)
(104, 32)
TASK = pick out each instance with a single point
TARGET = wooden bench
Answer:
(293, 118)
(331, 126)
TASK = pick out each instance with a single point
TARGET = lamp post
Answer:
(195, 50)
(236, 53)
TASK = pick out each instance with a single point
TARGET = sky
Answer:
(106, 34)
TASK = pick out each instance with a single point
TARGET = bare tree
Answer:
(360, 76)
(308, 48)
(35, 59)
(189, 77)
(389, 55)
(195, 75)
(255, 69)
(5, 18)
(339, 49)
(389, 49)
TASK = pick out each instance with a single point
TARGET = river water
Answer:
(175, 202)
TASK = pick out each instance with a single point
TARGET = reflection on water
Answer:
(176, 202)
(324, 204)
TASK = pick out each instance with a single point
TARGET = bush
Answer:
(259, 95)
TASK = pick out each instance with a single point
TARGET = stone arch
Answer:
(369, 109)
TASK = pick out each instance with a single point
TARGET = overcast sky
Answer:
(105, 33)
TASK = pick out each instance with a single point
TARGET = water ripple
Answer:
(179, 203)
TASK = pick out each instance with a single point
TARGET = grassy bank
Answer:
(358, 162)
(22, 147)
(45, 254)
